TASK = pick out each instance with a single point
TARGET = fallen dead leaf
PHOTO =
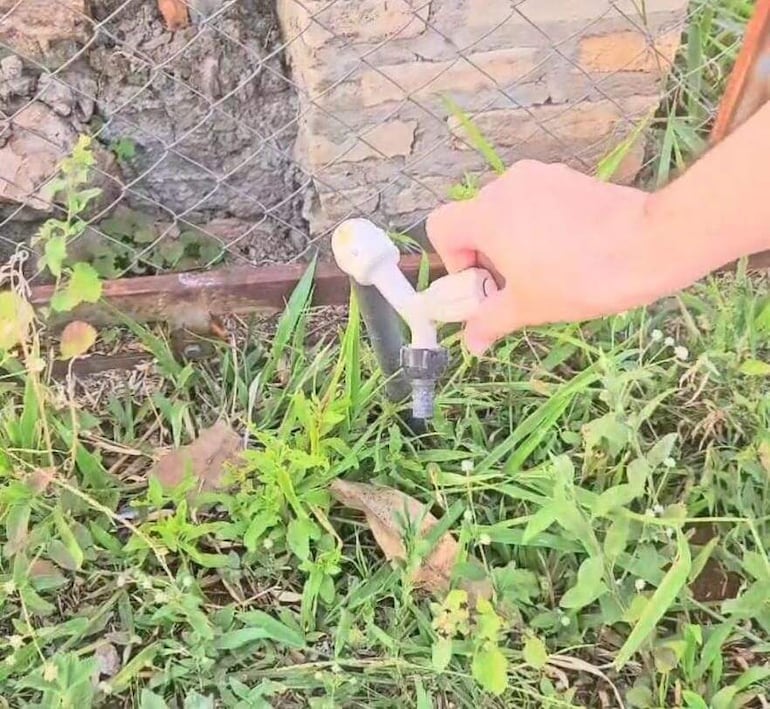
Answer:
(108, 659)
(174, 14)
(384, 508)
(46, 573)
(205, 458)
(39, 479)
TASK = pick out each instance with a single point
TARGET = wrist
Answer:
(687, 242)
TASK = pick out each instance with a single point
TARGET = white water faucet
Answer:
(366, 254)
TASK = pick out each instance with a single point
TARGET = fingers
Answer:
(452, 233)
(494, 320)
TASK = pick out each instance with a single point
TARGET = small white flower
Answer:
(639, 584)
(670, 532)
(187, 581)
(50, 672)
(9, 587)
(657, 510)
(656, 335)
(564, 620)
(669, 462)
(669, 342)
(16, 641)
(618, 582)
(467, 465)
(649, 512)
(468, 515)
(268, 544)
(681, 353)
(484, 539)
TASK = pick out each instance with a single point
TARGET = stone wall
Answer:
(264, 122)
(207, 111)
(545, 79)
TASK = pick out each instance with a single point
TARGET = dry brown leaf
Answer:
(205, 458)
(385, 508)
(108, 659)
(40, 478)
(41, 569)
(174, 14)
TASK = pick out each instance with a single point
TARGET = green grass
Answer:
(612, 478)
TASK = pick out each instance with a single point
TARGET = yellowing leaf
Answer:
(535, 653)
(385, 508)
(755, 368)
(76, 339)
(16, 316)
(205, 458)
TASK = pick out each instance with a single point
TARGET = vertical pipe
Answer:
(386, 335)
(384, 329)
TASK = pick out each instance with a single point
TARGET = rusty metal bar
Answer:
(192, 299)
(748, 87)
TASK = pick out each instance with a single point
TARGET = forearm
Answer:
(719, 209)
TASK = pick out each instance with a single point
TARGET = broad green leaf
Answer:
(638, 472)
(490, 670)
(150, 700)
(85, 284)
(55, 252)
(69, 540)
(273, 629)
(614, 498)
(539, 522)
(16, 528)
(589, 586)
(662, 449)
(441, 654)
(194, 700)
(59, 553)
(535, 652)
(301, 530)
(664, 596)
(617, 536)
(693, 700)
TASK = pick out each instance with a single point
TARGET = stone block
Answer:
(39, 140)
(319, 22)
(628, 51)
(579, 135)
(46, 31)
(384, 141)
(484, 70)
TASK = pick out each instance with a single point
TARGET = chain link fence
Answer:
(242, 131)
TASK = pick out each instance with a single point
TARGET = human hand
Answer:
(568, 246)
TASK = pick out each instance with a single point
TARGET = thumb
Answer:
(494, 319)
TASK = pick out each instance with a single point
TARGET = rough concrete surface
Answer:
(209, 110)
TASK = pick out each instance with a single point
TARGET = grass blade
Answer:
(658, 605)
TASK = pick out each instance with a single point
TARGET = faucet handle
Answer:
(456, 297)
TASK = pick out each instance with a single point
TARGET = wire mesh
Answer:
(245, 134)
